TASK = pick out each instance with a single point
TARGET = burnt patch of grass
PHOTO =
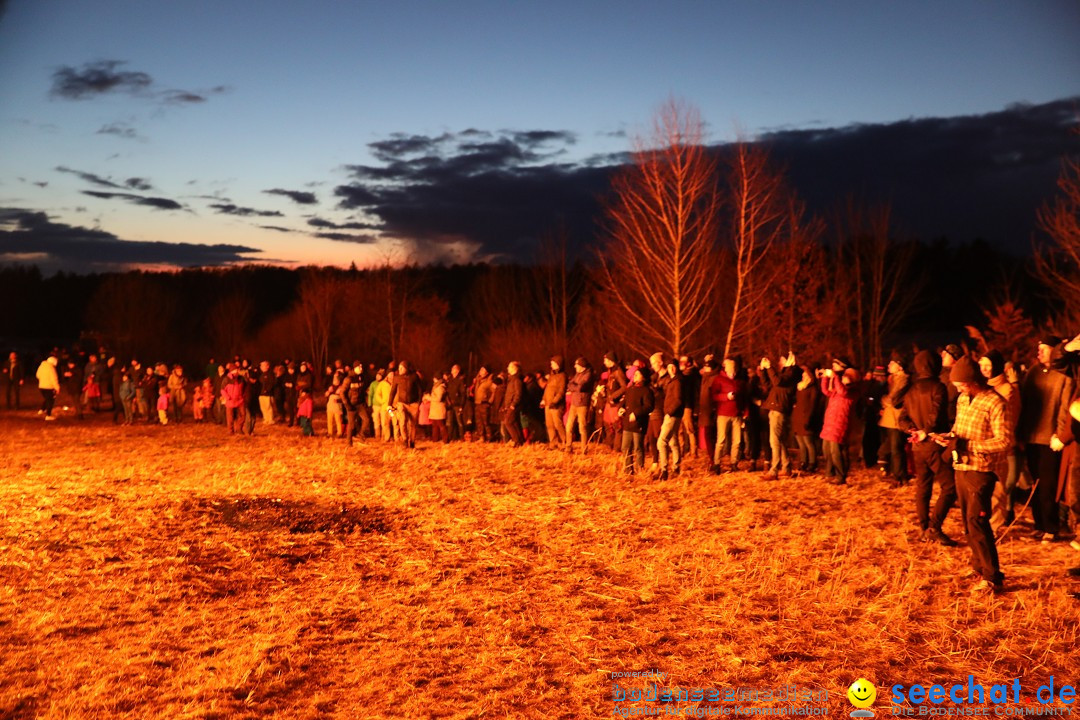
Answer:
(297, 517)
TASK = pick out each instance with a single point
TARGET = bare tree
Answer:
(558, 290)
(1057, 263)
(879, 279)
(759, 211)
(320, 296)
(657, 266)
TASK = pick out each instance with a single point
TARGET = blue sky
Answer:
(226, 100)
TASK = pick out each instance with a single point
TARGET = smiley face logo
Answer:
(862, 693)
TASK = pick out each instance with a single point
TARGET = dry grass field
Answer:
(178, 572)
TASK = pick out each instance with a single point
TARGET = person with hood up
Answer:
(49, 385)
(924, 413)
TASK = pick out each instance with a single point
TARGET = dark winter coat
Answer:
(555, 391)
(673, 396)
(637, 400)
(511, 401)
(807, 415)
(406, 389)
(926, 404)
(580, 388)
(782, 386)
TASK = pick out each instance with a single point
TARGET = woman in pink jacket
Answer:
(841, 392)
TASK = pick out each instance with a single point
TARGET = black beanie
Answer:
(965, 371)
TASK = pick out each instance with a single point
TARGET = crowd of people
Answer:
(987, 432)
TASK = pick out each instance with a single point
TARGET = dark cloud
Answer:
(135, 183)
(962, 178)
(179, 97)
(298, 196)
(105, 76)
(319, 222)
(120, 130)
(158, 203)
(277, 228)
(534, 138)
(491, 191)
(32, 237)
(141, 184)
(400, 145)
(981, 176)
(346, 237)
(98, 78)
(230, 209)
(90, 177)
(356, 195)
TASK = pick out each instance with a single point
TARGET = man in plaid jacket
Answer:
(979, 441)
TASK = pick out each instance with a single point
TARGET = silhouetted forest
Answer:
(476, 313)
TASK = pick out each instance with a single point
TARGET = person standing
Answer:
(266, 383)
(668, 442)
(580, 389)
(1044, 419)
(634, 415)
(979, 442)
(437, 411)
(12, 378)
(992, 367)
(405, 395)
(177, 385)
(1066, 360)
(894, 455)
(729, 398)
(706, 412)
(483, 397)
(232, 395)
(841, 391)
(925, 413)
(49, 385)
(511, 403)
(690, 382)
(304, 411)
(553, 402)
(126, 396)
(455, 404)
(291, 395)
(806, 420)
(779, 403)
(614, 387)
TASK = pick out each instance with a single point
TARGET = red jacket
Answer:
(722, 387)
(841, 397)
(233, 393)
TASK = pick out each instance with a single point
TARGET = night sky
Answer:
(205, 133)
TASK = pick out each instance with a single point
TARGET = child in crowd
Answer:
(305, 408)
(163, 405)
(127, 397)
